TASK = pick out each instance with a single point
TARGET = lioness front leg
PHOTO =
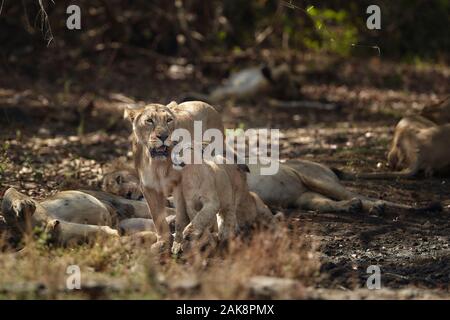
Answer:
(320, 203)
(227, 223)
(181, 220)
(204, 218)
(156, 204)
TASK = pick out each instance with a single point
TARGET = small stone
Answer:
(185, 285)
(263, 287)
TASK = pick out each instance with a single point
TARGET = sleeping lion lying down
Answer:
(76, 216)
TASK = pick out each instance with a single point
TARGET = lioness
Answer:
(65, 215)
(77, 215)
(313, 186)
(418, 145)
(152, 147)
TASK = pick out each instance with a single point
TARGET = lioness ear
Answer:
(172, 104)
(130, 113)
(53, 229)
(53, 225)
(267, 73)
(119, 179)
(243, 168)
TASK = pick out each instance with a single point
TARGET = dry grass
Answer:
(114, 269)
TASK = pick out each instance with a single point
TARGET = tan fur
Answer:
(121, 207)
(123, 183)
(73, 216)
(140, 238)
(439, 113)
(312, 186)
(152, 127)
(24, 214)
(221, 190)
(252, 207)
(133, 225)
(136, 225)
(419, 145)
(69, 234)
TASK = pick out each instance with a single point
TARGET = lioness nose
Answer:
(163, 136)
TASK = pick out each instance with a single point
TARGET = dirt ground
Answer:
(60, 134)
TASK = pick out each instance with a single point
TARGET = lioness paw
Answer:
(23, 208)
(378, 208)
(190, 232)
(355, 205)
(159, 246)
(177, 248)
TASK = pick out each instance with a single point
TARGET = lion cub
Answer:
(213, 189)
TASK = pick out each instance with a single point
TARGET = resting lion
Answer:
(122, 182)
(419, 145)
(64, 215)
(75, 216)
(313, 186)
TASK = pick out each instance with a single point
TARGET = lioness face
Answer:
(153, 127)
(122, 183)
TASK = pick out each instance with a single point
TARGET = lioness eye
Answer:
(169, 120)
(149, 120)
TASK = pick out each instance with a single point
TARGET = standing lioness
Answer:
(153, 125)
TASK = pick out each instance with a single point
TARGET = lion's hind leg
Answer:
(317, 202)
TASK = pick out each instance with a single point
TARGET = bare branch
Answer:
(46, 28)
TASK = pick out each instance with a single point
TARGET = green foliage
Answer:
(410, 28)
(42, 237)
(4, 157)
(336, 33)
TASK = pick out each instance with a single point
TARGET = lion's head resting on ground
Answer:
(152, 128)
(120, 178)
(124, 183)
